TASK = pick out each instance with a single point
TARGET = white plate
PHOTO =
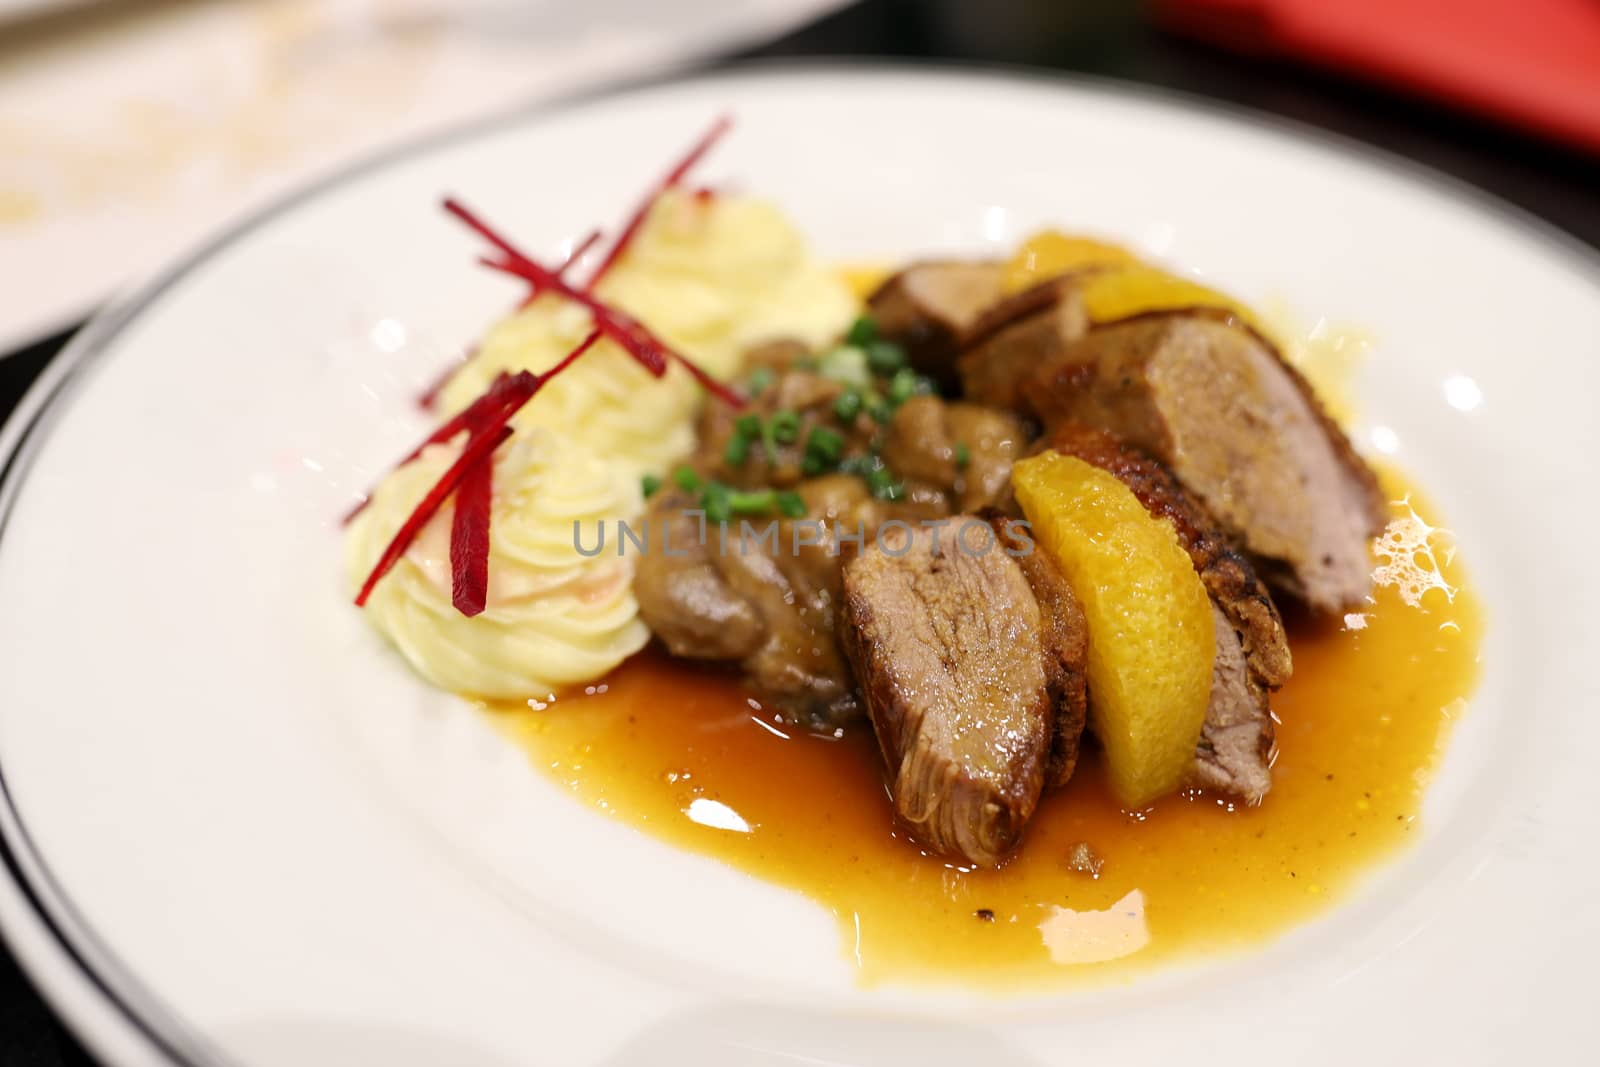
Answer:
(240, 832)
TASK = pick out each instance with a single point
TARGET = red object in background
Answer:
(1531, 63)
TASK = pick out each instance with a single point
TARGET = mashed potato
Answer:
(553, 618)
(709, 277)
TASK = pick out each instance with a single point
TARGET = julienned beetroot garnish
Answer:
(566, 360)
(430, 397)
(578, 252)
(631, 334)
(471, 476)
(485, 421)
(469, 538)
(479, 446)
(504, 389)
(670, 179)
(621, 328)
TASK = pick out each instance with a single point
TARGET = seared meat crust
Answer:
(1066, 644)
(1226, 573)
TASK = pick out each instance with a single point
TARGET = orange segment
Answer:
(1050, 254)
(1151, 637)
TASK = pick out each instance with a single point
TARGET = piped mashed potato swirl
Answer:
(709, 276)
(553, 617)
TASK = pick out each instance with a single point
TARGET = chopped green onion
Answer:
(848, 406)
(718, 507)
(811, 466)
(650, 483)
(884, 358)
(863, 332)
(769, 443)
(857, 465)
(737, 450)
(747, 426)
(687, 479)
(785, 426)
(825, 444)
(792, 505)
(880, 409)
(759, 380)
(902, 386)
(963, 455)
(847, 364)
(751, 501)
(884, 485)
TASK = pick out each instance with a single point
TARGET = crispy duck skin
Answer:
(1252, 656)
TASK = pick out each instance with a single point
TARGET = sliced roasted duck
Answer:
(1066, 644)
(949, 647)
(1204, 393)
(1242, 430)
(929, 309)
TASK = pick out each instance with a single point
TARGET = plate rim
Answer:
(101, 1000)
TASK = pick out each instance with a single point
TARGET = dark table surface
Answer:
(1102, 37)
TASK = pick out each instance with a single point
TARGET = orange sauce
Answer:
(682, 753)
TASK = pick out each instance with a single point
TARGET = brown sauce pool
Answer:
(681, 753)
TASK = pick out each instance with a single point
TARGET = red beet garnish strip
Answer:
(469, 537)
(626, 331)
(486, 419)
(478, 447)
(505, 389)
(582, 249)
(430, 397)
(672, 178)
(567, 360)
(632, 335)
(622, 328)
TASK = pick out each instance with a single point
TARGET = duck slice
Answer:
(1242, 431)
(1234, 755)
(929, 307)
(1014, 337)
(947, 645)
(1066, 644)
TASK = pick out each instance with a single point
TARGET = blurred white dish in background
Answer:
(129, 131)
